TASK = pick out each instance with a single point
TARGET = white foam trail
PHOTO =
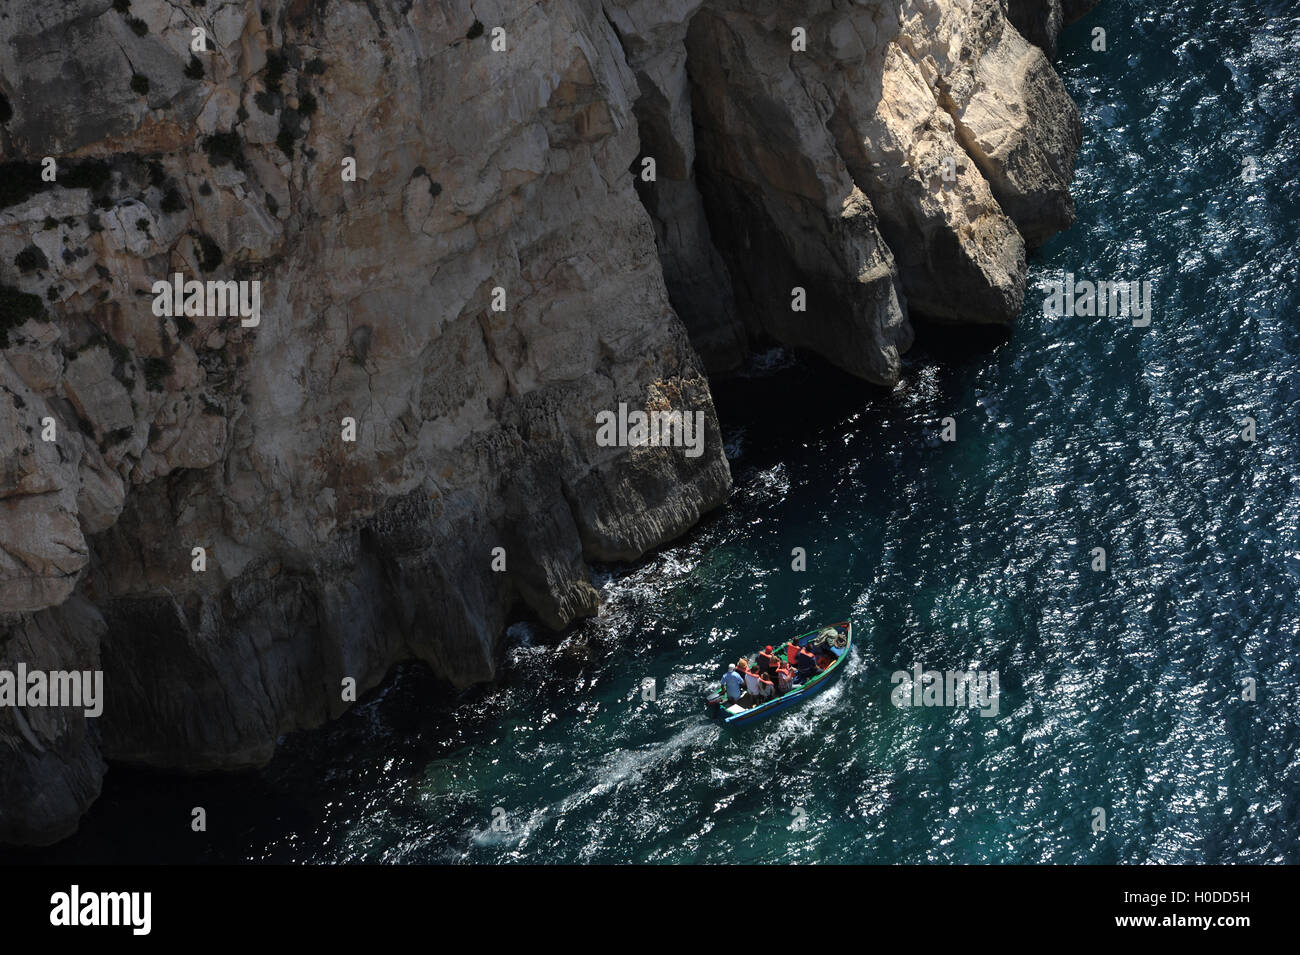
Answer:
(627, 764)
(619, 766)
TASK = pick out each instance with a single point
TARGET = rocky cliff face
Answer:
(501, 270)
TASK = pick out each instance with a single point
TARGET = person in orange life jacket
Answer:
(766, 661)
(791, 652)
(766, 690)
(805, 665)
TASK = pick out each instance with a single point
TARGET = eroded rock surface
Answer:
(498, 273)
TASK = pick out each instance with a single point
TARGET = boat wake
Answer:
(624, 766)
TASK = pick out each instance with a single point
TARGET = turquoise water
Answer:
(1120, 690)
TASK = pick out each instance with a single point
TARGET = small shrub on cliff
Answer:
(92, 174)
(172, 201)
(475, 31)
(138, 26)
(225, 149)
(194, 70)
(267, 102)
(435, 188)
(16, 307)
(122, 6)
(307, 104)
(274, 70)
(210, 256)
(30, 259)
(284, 139)
(139, 83)
(156, 371)
(6, 111)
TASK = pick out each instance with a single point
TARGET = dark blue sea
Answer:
(1124, 690)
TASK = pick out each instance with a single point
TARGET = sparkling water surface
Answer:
(1120, 690)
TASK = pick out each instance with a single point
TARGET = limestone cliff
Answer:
(500, 270)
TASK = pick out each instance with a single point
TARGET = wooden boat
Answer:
(837, 638)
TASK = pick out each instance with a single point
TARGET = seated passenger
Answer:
(766, 690)
(766, 661)
(751, 684)
(733, 683)
(805, 665)
(784, 679)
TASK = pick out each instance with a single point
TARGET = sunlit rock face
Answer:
(460, 262)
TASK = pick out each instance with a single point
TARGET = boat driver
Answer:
(733, 683)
